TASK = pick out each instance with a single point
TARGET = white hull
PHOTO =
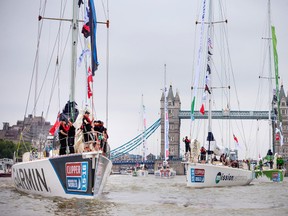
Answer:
(141, 173)
(165, 173)
(67, 176)
(209, 175)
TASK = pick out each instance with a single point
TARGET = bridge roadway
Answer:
(151, 164)
(226, 114)
(133, 162)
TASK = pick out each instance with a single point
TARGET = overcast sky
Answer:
(144, 35)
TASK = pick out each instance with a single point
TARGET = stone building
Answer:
(32, 129)
(174, 106)
(283, 150)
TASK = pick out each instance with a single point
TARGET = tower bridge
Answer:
(176, 115)
(227, 114)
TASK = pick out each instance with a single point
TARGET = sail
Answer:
(197, 73)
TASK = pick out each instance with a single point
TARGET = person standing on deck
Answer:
(87, 128)
(71, 137)
(187, 145)
(203, 154)
(63, 134)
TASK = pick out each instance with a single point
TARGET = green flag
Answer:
(274, 42)
(192, 108)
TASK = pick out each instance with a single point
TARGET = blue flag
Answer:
(93, 27)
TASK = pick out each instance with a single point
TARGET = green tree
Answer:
(7, 148)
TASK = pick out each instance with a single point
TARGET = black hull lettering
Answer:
(30, 179)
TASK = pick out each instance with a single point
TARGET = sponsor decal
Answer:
(223, 177)
(218, 177)
(30, 179)
(77, 176)
(276, 177)
(197, 175)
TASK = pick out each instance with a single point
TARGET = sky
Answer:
(143, 36)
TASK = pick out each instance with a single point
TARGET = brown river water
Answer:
(126, 195)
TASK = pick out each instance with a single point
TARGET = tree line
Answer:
(7, 148)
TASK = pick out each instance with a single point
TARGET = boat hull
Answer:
(5, 174)
(165, 173)
(69, 176)
(269, 175)
(209, 175)
(140, 173)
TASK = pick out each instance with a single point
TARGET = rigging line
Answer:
(192, 126)
(258, 100)
(104, 11)
(35, 61)
(56, 72)
(261, 74)
(233, 79)
(47, 70)
(107, 64)
(35, 67)
(224, 63)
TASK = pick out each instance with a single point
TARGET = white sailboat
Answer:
(205, 172)
(142, 170)
(164, 170)
(5, 167)
(78, 175)
(269, 168)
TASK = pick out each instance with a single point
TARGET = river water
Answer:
(127, 195)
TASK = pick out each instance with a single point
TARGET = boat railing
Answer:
(96, 141)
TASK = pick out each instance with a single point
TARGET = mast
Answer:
(209, 36)
(107, 66)
(166, 119)
(75, 30)
(270, 76)
(143, 117)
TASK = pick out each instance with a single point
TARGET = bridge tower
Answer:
(174, 106)
(283, 150)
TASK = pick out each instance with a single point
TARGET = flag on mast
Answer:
(93, 27)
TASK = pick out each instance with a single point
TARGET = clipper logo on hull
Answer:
(276, 177)
(197, 175)
(77, 176)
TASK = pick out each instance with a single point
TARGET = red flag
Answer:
(89, 80)
(55, 126)
(235, 138)
(89, 77)
(202, 110)
(89, 92)
(277, 137)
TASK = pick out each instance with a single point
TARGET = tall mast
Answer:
(75, 28)
(74, 49)
(166, 119)
(270, 75)
(143, 117)
(209, 36)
